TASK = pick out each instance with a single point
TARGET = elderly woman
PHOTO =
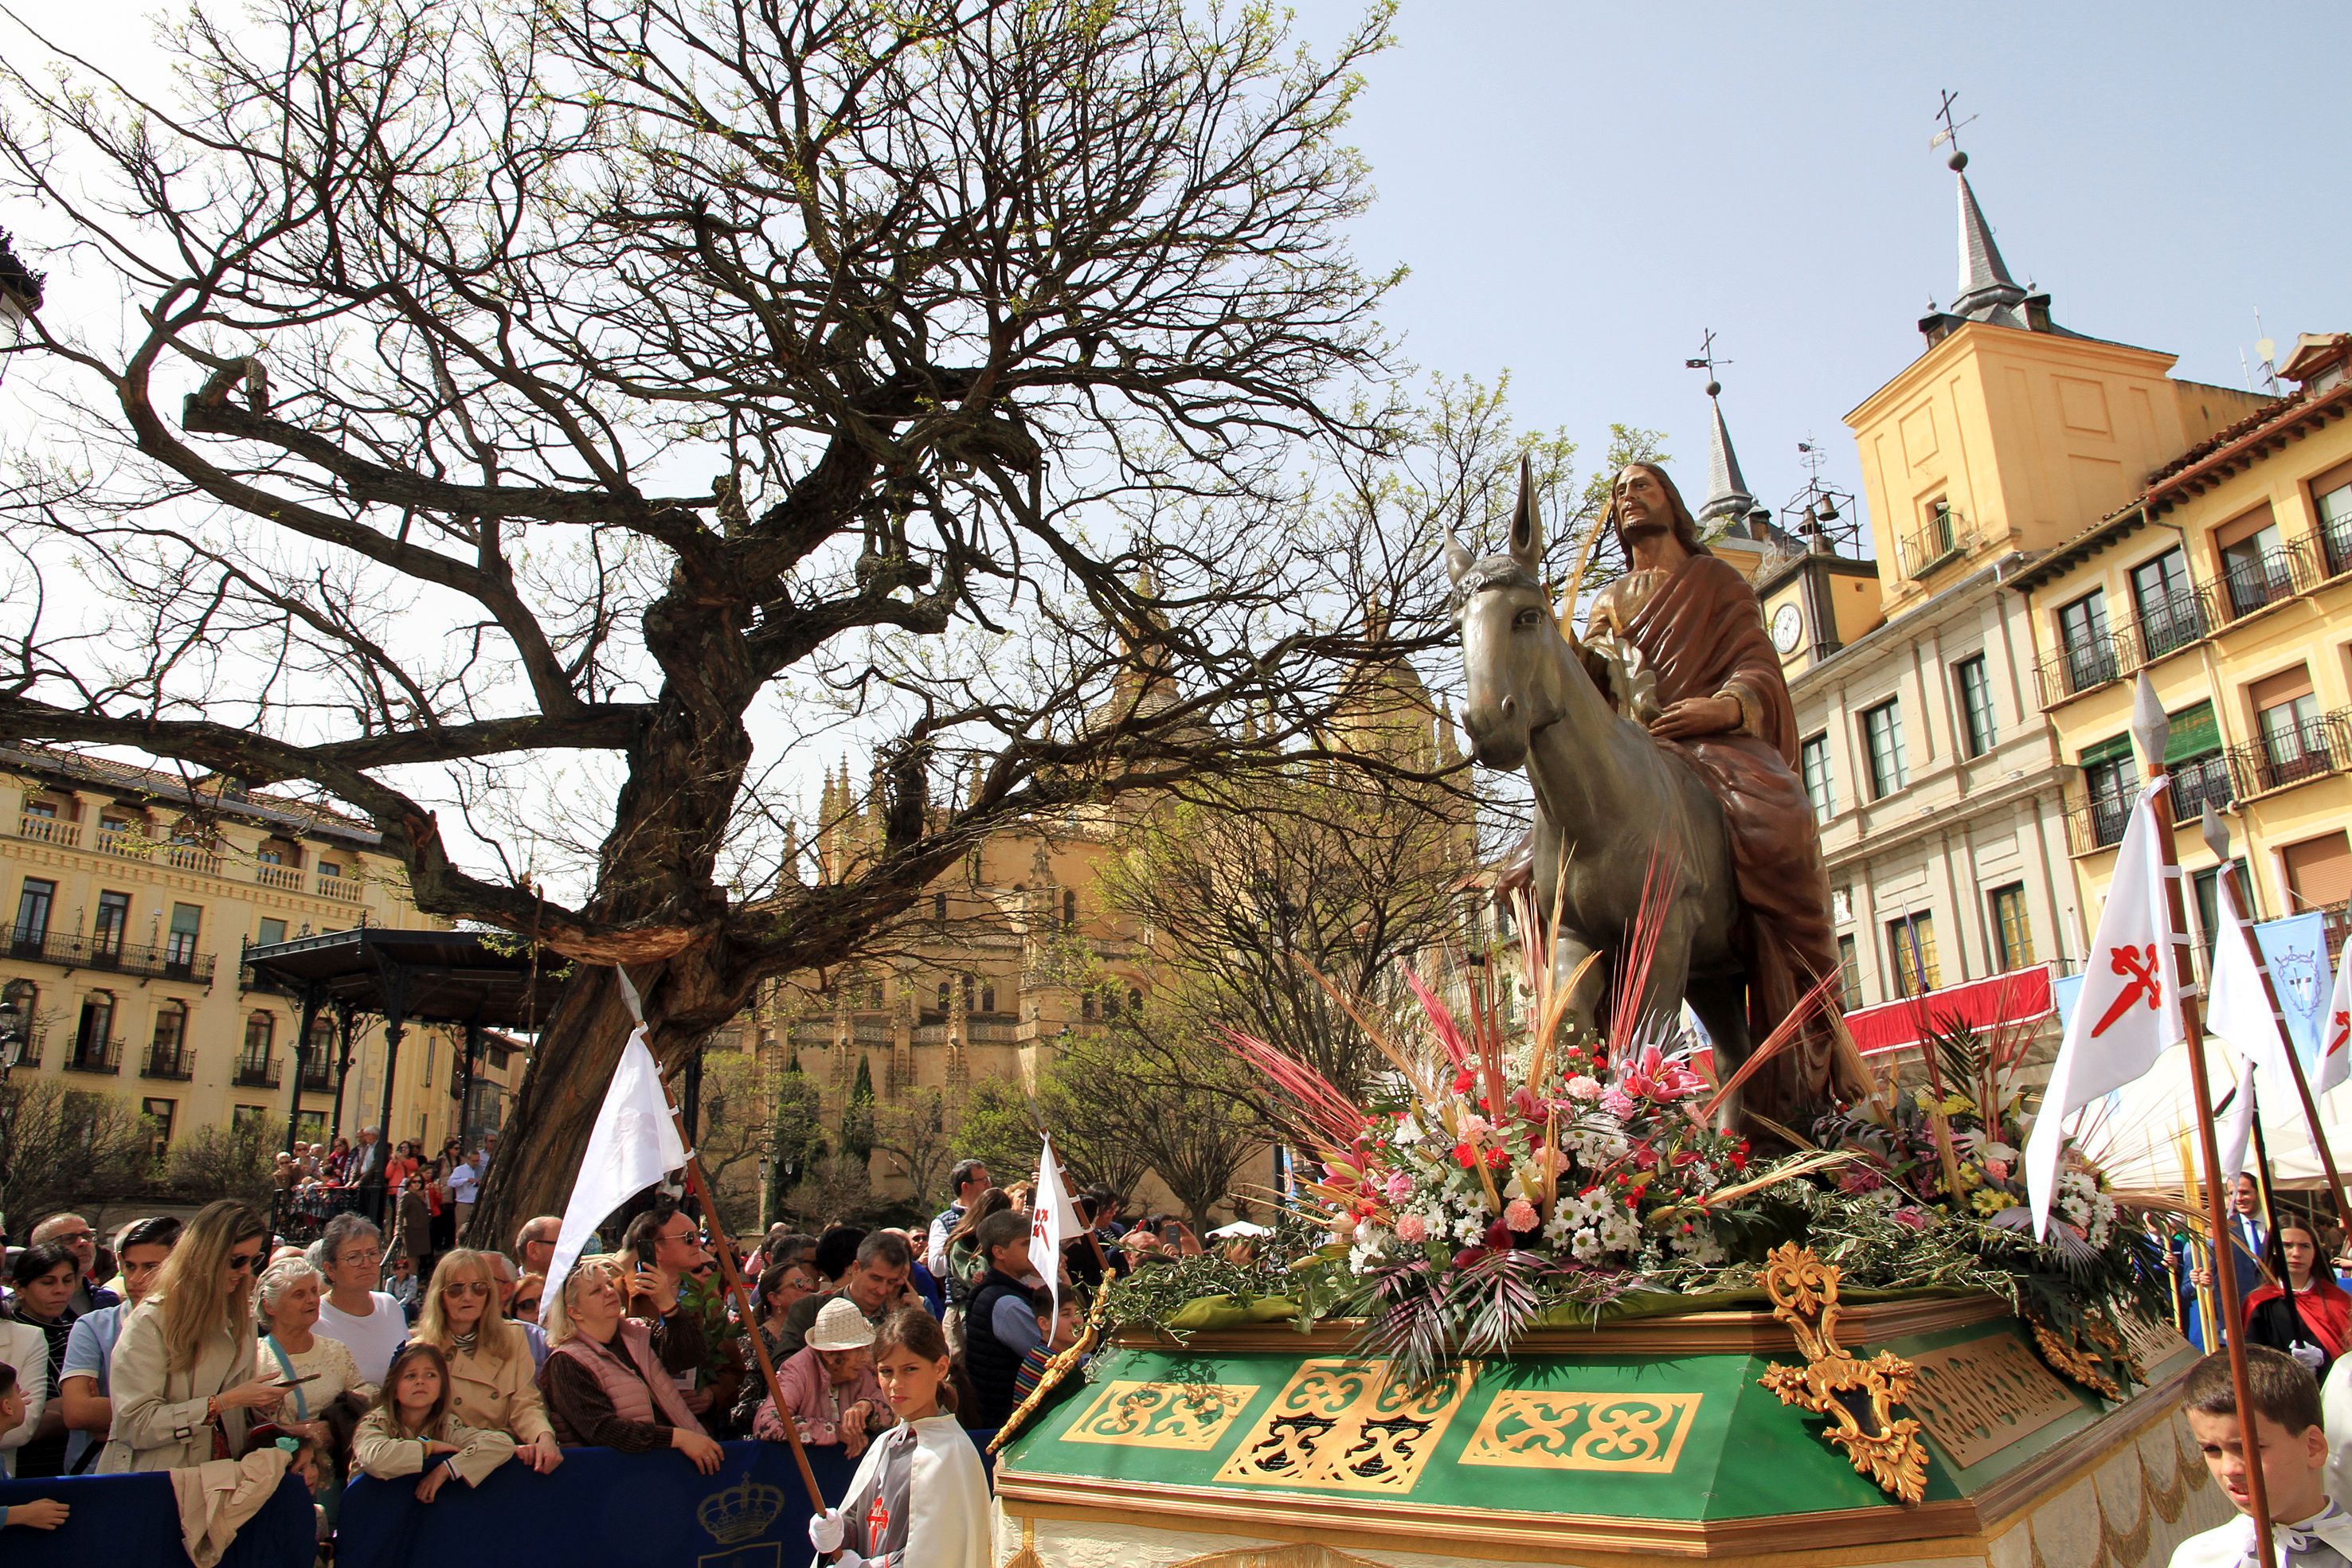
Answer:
(829, 1384)
(369, 1322)
(604, 1385)
(292, 1351)
(183, 1383)
(489, 1360)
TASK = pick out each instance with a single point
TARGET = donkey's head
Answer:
(1511, 647)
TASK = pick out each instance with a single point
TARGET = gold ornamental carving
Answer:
(1626, 1433)
(2096, 1357)
(1194, 1416)
(1347, 1425)
(1857, 1397)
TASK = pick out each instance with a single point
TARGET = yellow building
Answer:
(1939, 783)
(136, 890)
(2227, 576)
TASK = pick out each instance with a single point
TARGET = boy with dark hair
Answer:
(2289, 1443)
(999, 1325)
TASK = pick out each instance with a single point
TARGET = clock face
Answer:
(1787, 627)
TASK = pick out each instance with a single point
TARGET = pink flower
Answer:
(1474, 1126)
(1400, 1186)
(1520, 1214)
(1997, 1170)
(1617, 1102)
(1583, 1088)
(1912, 1218)
(1412, 1230)
(1860, 1179)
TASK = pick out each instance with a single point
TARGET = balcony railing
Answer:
(29, 1050)
(2170, 624)
(318, 1078)
(2097, 822)
(2253, 582)
(346, 887)
(2313, 749)
(1945, 538)
(177, 1062)
(2200, 783)
(190, 857)
(49, 831)
(2335, 544)
(2081, 664)
(94, 1056)
(257, 1070)
(284, 877)
(70, 951)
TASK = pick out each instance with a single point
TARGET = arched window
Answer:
(19, 1038)
(1134, 1001)
(260, 1029)
(988, 998)
(1110, 1004)
(1069, 907)
(946, 995)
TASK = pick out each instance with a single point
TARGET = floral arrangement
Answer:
(1517, 1168)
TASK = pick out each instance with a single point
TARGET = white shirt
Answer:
(462, 1182)
(371, 1340)
(2322, 1541)
(26, 1349)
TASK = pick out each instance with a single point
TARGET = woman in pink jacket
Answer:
(829, 1386)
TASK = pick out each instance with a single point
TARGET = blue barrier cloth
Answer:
(135, 1519)
(616, 1511)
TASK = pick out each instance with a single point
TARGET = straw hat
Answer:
(840, 1326)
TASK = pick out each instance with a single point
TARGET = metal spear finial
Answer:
(2151, 729)
(2217, 833)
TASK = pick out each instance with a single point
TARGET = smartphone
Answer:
(1171, 1235)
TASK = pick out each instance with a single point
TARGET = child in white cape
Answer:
(2307, 1528)
(919, 1498)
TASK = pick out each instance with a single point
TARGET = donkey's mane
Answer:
(1496, 571)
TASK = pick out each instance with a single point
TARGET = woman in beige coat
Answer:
(490, 1364)
(183, 1377)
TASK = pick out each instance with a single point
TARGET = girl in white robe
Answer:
(919, 1498)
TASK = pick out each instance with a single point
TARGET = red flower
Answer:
(1497, 1158)
(1645, 1157)
(1465, 1155)
(1463, 1080)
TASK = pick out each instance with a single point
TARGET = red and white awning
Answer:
(2019, 997)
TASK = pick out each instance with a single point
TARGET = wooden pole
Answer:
(2293, 1060)
(2233, 1322)
(725, 1247)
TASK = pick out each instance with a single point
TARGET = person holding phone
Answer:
(665, 1245)
(185, 1381)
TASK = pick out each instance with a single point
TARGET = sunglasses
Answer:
(465, 1288)
(527, 1304)
(242, 1262)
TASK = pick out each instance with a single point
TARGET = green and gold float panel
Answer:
(1650, 1436)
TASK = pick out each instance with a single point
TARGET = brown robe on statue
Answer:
(1702, 632)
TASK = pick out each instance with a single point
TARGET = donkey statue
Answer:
(1616, 813)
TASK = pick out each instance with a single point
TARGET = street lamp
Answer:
(14, 1026)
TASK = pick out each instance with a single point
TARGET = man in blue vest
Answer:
(999, 1325)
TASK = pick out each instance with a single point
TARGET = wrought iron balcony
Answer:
(2081, 665)
(102, 951)
(94, 1056)
(2202, 782)
(2172, 623)
(1945, 538)
(2251, 582)
(318, 1077)
(257, 1070)
(2314, 749)
(177, 1062)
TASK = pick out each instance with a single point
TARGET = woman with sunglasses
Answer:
(490, 1364)
(781, 1288)
(184, 1382)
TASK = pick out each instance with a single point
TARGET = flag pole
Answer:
(699, 1182)
(2217, 838)
(2151, 729)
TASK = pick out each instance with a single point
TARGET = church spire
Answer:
(1727, 499)
(1988, 293)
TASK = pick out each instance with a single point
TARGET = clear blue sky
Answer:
(1580, 190)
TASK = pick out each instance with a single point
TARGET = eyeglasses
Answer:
(242, 1262)
(465, 1288)
(74, 1238)
(527, 1304)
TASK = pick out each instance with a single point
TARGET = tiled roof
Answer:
(277, 810)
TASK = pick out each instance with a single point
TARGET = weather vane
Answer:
(1707, 361)
(1951, 131)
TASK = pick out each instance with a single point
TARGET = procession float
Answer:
(1556, 1293)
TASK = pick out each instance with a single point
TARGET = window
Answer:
(260, 1030)
(2294, 733)
(2107, 777)
(1849, 974)
(2012, 935)
(2205, 887)
(1813, 759)
(1882, 736)
(94, 1046)
(1086, 1006)
(310, 1126)
(2170, 615)
(46, 810)
(1975, 705)
(2331, 499)
(33, 904)
(2256, 569)
(158, 1115)
(1940, 540)
(272, 931)
(23, 1047)
(113, 919)
(242, 1117)
(940, 907)
(988, 998)
(2088, 654)
(171, 1027)
(1134, 1000)
(331, 868)
(1110, 1004)
(1911, 942)
(187, 920)
(1069, 908)
(947, 995)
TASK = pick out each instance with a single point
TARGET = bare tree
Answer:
(1007, 330)
(68, 1147)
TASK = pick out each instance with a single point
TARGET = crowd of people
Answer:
(180, 1343)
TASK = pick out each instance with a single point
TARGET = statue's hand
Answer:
(1696, 716)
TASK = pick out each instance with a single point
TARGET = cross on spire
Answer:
(1707, 361)
(1951, 131)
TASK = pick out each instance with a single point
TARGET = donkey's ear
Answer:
(1527, 530)
(1458, 560)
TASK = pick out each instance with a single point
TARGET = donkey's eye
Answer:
(1528, 619)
